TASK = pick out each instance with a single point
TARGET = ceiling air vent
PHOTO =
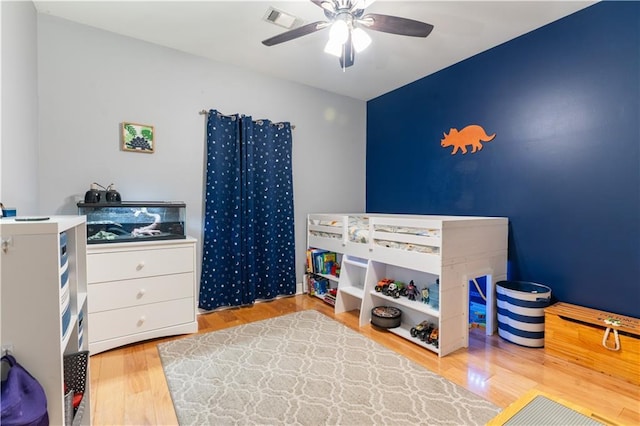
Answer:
(281, 18)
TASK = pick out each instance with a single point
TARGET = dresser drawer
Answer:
(129, 264)
(140, 291)
(139, 319)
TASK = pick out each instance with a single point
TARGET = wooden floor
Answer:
(128, 386)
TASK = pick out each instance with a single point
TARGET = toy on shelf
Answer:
(335, 269)
(433, 337)
(425, 295)
(386, 317)
(382, 284)
(421, 330)
(426, 332)
(391, 288)
(412, 291)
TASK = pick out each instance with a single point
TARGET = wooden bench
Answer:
(580, 334)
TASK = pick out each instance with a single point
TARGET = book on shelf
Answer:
(321, 261)
(318, 285)
(312, 263)
(326, 261)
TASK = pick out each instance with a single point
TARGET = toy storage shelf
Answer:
(413, 311)
(422, 248)
(44, 302)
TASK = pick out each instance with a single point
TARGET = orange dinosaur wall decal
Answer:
(470, 135)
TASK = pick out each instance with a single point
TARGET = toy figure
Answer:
(425, 295)
(412, 291)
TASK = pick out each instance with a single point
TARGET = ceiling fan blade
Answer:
(396, 25)
(295, 33)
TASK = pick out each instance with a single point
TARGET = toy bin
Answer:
(75, 380)
(521, 312)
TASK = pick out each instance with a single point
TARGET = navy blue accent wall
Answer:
(564, 167)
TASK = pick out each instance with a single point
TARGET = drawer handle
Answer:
(141, 293)
(142, 320)
(140, 265)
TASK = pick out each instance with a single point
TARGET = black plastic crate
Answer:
(75, 378)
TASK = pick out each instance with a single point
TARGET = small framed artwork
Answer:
(138, 138)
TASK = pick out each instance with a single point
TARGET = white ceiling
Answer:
(232, 31)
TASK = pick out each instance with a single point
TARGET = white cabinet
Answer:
(140, 291)
(44, 293)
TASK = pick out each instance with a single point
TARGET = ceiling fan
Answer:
(347, 20)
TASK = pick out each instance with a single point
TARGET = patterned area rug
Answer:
(307, 369)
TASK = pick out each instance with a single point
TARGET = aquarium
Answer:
(133, 221)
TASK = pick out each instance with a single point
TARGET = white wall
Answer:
(19, 143)
(91, 80)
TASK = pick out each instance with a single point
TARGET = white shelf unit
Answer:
(140, 291)
(461, 248)
(32, 301)
(413, 311)
(351, 286)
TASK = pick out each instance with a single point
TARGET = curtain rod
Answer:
(205, 112)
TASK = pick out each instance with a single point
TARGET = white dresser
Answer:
(139, 291)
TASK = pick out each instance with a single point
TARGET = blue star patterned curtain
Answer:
(248, 248)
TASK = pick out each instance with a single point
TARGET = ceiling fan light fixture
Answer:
(361, 39)
(339, 32)
(347, 22)
(333, 48)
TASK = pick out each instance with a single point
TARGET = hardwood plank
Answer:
(162, 403)
(109, 390)
(491, 367)
(95, 365)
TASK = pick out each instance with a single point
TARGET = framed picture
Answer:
(138, 138)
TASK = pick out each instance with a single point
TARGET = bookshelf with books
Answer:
(323, 272)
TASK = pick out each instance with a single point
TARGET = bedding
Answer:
(325, 234)
(359, 229)
(407, 246)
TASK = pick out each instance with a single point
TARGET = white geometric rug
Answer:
(307, 369)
